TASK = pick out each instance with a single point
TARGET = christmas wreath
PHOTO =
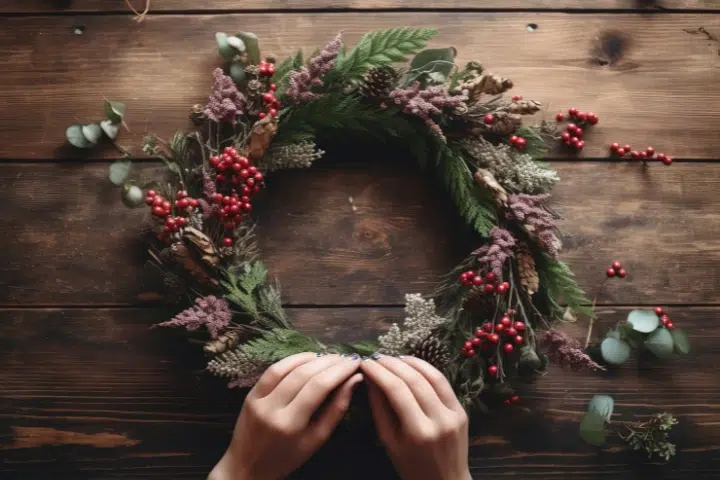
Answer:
(489, 322)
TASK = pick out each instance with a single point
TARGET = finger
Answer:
(400, 397)
(386, 421)
(319, 387)
(421, 389)
(274, 375)
(325, 424)
(293, 382)
(437, 380)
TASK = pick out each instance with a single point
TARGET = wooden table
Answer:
(87, 391)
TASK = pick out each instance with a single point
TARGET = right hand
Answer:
(419, 419)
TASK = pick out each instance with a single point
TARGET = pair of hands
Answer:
(286, 419)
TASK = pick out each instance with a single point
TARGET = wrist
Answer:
(228, 469)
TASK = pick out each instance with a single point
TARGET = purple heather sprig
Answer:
(210, 312)
(425, 103)
(538, 221)
(496, 252)
(225, 102)
(565, 351)
(306, 77)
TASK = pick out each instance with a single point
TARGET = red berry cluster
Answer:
(643, 155)
(572, 136)
(504, 330)
(272, 104)
(162, 208)
(517, 98)
(266, 69)
(518, 142)
(511, 400)
(616, 270)
(664, 318)
(244, 180)
(489, 283)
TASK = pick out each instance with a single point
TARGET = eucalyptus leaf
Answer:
(120, 171)
(114, 111)
(224, 48)
(75, 137)
(592, 429)
(682, 343)
(92, 132)
(660, 343)
(252, 47)
(633, 338)
(529, 357)
(440, 60)
(644, 321)
(614, 334)
(237, 72)
(132, 196)
(110, 129)
(615, 351)
(602, 405)
(236, 43)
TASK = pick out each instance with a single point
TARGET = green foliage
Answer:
(434, 63)
(279, 343)
(653, 436)
(282, 72)
(538, 138)
(252, 46)
(592, 429)
(224, 48)
(614, 350)
(644, 321)
(559, 285)
(114, 111)
(660, 343)
(474, 204)
(681, 341)
(361, 348)
(120, 171)
(246, 287)
(602, 405)
(381, 47)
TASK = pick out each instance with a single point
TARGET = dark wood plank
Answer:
(650, 96)
(92, 393)
(85, 6)
(71, 242)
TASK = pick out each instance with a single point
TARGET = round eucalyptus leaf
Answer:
(682, 343)
(114, 111)
(120, 171)
(132, 196)
(224, 48)
(237, 72)
(75, 137)
(110, 129)
(236, 43)
(592, 429)
(615, 351)
(92, 132)
(602, 405)
(252, 46)
(660, 343)
(644, 321)
(614, 334)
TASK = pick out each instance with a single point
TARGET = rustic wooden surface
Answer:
(88, 391)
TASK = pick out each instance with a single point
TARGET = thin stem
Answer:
(592, 314)
(139, 17)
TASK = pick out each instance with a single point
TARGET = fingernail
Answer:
(319, 354)
(343, 355)
(375, 356)
(365, 359)
(355, 356)
(401, 357)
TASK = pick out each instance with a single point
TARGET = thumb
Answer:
(325, 424)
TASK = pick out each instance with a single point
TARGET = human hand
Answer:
(418, 418)
(278, 429)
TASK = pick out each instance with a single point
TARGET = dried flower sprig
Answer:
(302, 80)
(421, 320)
(210, 312)
(425, 103)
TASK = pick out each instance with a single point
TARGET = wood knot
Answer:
(609, 47)
(375, 231)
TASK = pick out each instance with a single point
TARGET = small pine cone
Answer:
(379, 82)
(223, 343)
(252, 70)
(524, 107)
(526, 270)
(253, 87)
(433, 351)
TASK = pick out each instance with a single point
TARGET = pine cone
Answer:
(526, 269)
(379, 82)
(433, 351)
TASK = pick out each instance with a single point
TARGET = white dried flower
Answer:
(421, 320)
(234, 364)
(297, 155)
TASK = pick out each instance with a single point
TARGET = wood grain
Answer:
(649, 96)
(93, 393)
(71, 242)
(80, 6)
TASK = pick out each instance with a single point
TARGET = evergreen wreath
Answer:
(489, 322)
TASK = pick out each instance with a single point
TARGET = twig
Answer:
(592, 315)
(139, 17)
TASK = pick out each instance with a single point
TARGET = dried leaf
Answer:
(185, 257)
(206, 248)
(223, 343)
(486, 179)
(262, 133)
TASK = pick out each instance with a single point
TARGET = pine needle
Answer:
(558, 283)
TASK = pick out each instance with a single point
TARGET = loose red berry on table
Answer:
(519, 339)
(582, 116)
(579, 132)
(667, 160)
(622, 273)
(650, 151)
(514, 399)
(635, 154)
(571, 127)
(519, 326)
(489, 119)
(476, 342)
(642, 156)
(572, 112)
(493, 337)
(487, 327)
(559, 116)
(477, 281)
(508, 347)
(574, 142)
(616, 265)
(516, 98)
(493, 370)
(627, 148)
(505, 320)
(592, 119)
(659, 311)
(580, 145)
(520, 143)
(610, 273)
(489, 288)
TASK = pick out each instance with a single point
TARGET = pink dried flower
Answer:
(210, 312)
(496, 252)
(425, 103)
(301, 80)
(225, 102)
(530, 210)
(565, 351)
(209, 187)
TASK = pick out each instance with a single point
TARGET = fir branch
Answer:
(280, 343)
(559, 285)
(538, 138)
(379, 48)
(241, 285)
(474, 204)
(270, 305)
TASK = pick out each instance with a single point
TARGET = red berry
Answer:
(669, 325)
(574, 142)
(493, 337)
(635, 154)
(505, 320)
(217, 198)
(193, 202)
(519, 326)
(149, 200)
(227, 200)
(170, 222)
(467, 345)
(508, 347)
(269, 97)
(246, 207)
(159, 211)
(487, 327)
(480, 333)
(513, 139)
(516, 98)
(582, 116)
(659, 311)
(580, 145)
(572, 128)
(259, 177)
(476, 342)
(262, 115)
(166, 205)
(244, 173)
(572, 112)
(627, 148)
(511, 311)
(507, 402)
(489, 119)
(642, 155)
(220, 178)
(610, 273)
(622, 273)
(252, 170)
(250, 182)
(273, 87)
(500, 327)
(493, 370)
(477, 280)
(183, 203)
(579, 132)
(559, 116)
(214, 161)
(519, 339)
(182, 194)
(463, 277)
(650, 151)
(664, 319)
(667, 160)
(244, 162)
(520, 143)
(565, 136)
(511, 332)
(615, 147)
(592, 119)
(227, 242)
(502, 289)
(490, 277)
(489, 288)
(273, 112)
(471, 353)
(514, 399)
(151, 193)
(616, 265)
(234, 209)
